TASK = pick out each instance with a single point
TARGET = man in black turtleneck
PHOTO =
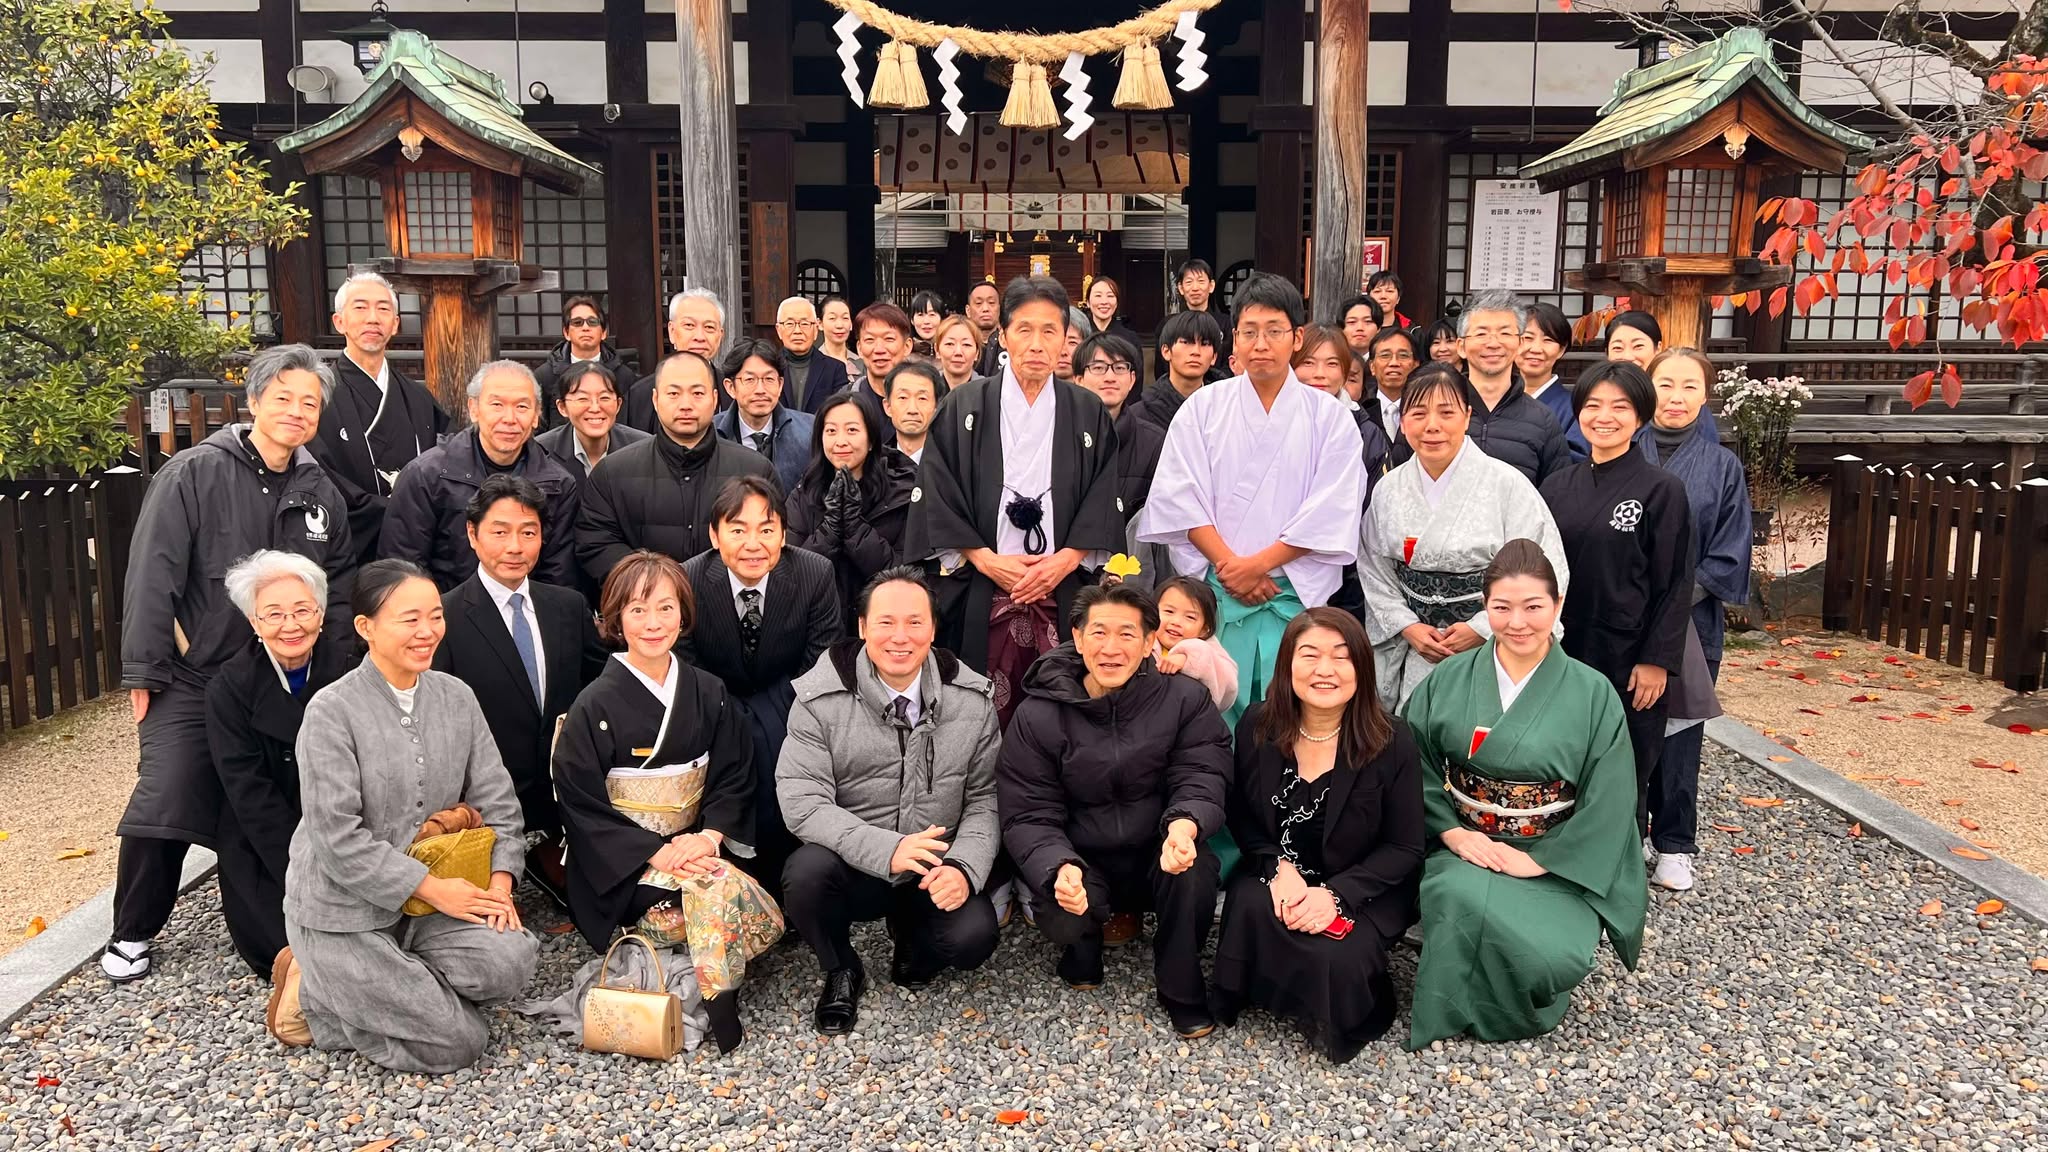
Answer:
(658, 493)
(808, 378)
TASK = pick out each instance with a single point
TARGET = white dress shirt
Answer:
(747, 431)
(914, 693)
(502, 597)
(739, 586)
(1390, 414)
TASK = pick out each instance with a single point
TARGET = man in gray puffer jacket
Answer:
(887, 777)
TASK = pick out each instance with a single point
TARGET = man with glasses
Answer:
(585, 340)
(696, 324)
(758, 418)
(1259, 487)
(1508, 424)
(1392, 359)
(588, 404)
(808, 378)
(1107, 366)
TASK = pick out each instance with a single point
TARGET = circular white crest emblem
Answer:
(1627, 515)
(970, 421)
(1087, 440)
(916, 494)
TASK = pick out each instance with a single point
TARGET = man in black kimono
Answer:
(1016, 493)
(764, 613)
(379, 419)
(657, 493)
(526, 648)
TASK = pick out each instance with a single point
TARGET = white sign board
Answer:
(1514, 236)
(160, 410)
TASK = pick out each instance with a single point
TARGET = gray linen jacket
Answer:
(850, 780)
(369, 776)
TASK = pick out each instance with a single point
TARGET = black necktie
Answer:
(760, 439)
(750, 620)
(901, 707)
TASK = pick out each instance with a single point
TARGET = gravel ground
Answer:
(1918, 732)
(63, 784)
(1797, 1000)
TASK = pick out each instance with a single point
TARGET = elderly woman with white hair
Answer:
(253, 709)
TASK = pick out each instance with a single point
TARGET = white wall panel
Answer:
(237, 75)
(1568, 74)
(1907, 77)
(665, 72)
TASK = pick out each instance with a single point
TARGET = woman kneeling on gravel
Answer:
(384, 751)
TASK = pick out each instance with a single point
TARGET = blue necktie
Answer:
(522, 639)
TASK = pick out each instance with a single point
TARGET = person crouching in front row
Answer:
(382, 751)
(887, 778)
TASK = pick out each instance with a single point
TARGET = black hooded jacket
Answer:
(1082, 774)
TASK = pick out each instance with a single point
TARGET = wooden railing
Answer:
(1946, 567)
(63, 557)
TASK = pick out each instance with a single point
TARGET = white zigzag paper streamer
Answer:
(846, 26)
(949, 81)
(1192, 58)
(1078, 119)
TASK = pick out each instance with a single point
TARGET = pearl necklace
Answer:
(1323, 739)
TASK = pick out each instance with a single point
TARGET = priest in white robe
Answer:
(1434, 525)
(1259, 487)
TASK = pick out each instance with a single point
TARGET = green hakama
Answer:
(1501, 954)
(1251, 634)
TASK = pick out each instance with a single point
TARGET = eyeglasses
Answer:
(761, 381)
(1106, 368)
(1256, 336)
(275, 618)
(584, 322)
(1392, 356)
(797, 324)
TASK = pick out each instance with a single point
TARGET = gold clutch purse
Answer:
(466, 854)
(643, 1022)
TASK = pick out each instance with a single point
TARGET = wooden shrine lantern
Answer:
(1683, 150)
(447, 149)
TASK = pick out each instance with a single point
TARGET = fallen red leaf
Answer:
(2040, 964)
(1969, 853)
(1962, 708)
(1990, 907)
(1727, 827)
(1745, 849)
(1980, 762)
(1771, 664)
(1931, 908)
(1798, 676)
(1781, 759)
(1970, 824)
(1806, 732)
(1893, 719)
(1909, 782)
(48, 1082)
(1923, 715)
(1865, 698)
(1763, 802)
(1827, 655)
(36, 927)
(1013, 1116)
(1953, 803)
(1893, 660)
(2012, 766)
(2020, 729)
(69, 1125)
(1856, 831)
(1813, 711)
(1790, 642)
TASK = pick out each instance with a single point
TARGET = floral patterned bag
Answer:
(725, 918)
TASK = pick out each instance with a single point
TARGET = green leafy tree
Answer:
(112, 175)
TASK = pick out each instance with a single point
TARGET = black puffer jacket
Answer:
(1520, 433)
(656, 494)
(427, 519)
(872, 538)
(1081, 774)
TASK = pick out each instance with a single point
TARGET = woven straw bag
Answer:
(465, 854)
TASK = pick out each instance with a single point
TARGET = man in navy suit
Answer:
(758, 419)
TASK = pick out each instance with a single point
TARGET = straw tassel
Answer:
(1143, 83)
(899, 83)
(1030, 104)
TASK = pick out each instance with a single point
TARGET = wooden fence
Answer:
(63, 556)
(1941, 565)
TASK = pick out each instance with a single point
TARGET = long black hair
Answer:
(873, 470)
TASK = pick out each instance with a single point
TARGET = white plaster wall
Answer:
(237, 75)
(573, 70)
(1907, 77)
(665, 73)
(1568, 74)
(818, 236)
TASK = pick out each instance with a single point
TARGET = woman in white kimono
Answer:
(1434, 524)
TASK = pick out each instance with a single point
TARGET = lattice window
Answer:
(352, 232)
(818, 281)
(1856, 313)
(234, 284)
(438, 211)
(565, 234)
(1628, 215)
(1226, 287)
(1580, 233)
(1699, 206)
(669, 251)
(1382, 195)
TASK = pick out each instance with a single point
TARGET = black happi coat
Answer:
(364, 436)
(1628, 537)
(958, 501)
(618, 723)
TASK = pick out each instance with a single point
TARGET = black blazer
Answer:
(478, 651)
(1372, 824)
(252, 727)
(800, 619)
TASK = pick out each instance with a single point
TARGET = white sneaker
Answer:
(1649, 854)
(125, 960)
(1674, 871)
(1001, 897)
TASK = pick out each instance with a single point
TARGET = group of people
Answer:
(951, 624)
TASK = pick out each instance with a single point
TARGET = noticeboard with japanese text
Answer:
(1514, 236)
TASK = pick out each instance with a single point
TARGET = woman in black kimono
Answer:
(850, 505)
(1327, 808)
(1628, 538)
(653, 769)
(253, 708)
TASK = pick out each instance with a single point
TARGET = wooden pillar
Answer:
(771, 156)
(303, 310)
(274, 28)
(709, 142)
(1341, 41)
(633, 296)
(1281, 121)
(459, 332)
(1681, 313)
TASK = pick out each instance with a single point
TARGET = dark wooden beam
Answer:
(861, 198)
(1418, 249)
(1277, 238)
(625, 51)
(274, 27)
(710, 140)
(302, 314)
(633, 301)
(1429, 52)
(771, 158)
(1342, 39)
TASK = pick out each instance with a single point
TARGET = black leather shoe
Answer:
(839, 1002)
(1081, 967)
(906, 973)
(1190, 1021)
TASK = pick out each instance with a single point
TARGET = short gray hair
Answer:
(1497, 300)
(477, 378)
(341, 293)
(675, 302)
(249, 576)
(266, 366)
(793, 301)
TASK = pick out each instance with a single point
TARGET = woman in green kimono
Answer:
(1529, 800)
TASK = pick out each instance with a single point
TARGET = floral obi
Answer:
(1508, 807)
(1441, 599)
(661, 799)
